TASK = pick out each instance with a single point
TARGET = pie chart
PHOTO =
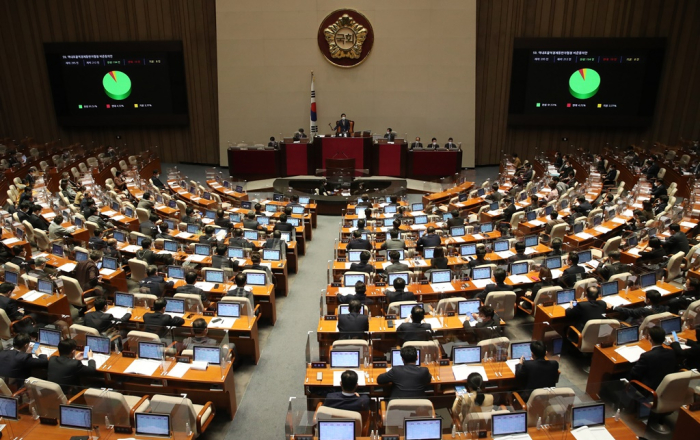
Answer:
(584, 83)
(117, 85)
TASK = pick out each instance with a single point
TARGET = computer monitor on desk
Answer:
(124, 300)
(349, 280)
(345, 359)
(336, 429)
(57, 249)
(214, 276)
(468, 307)
(177, 272)
(552, 263)
(98, 344)
(81, 256)
(627, 335)
(76, 417)
(234, 252)
(466, 355)
(11, 277)
(441, 276)
(211, 355)
(49, 337)
(508, 424)
(8, 407)
(151, 424)
(426, 428)
(405, 309)
(397, 360)
(256, 279)
(467, 250)
(566, 296)
(394, 276)
(501, 245)
(151, 350)
(671, 325)
(228, 309)
(520, 349)
(647, 280)
(588, 415)
(481, 273)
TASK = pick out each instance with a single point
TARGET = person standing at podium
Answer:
(344, 125)
(389, 136)
(417, 145)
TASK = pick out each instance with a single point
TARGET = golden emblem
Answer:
(345, 37)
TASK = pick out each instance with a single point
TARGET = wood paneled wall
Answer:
(26, 105)
(677, 112)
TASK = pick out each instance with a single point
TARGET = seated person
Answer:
(222, 220)
(655, 254)
(519, 253)
(691, 292)
(220, 261)
(208, 237)
(611, 265)
(19, 258)
(409, 380)
(574, 272)
(100, 319)
(689, 357)
(499, 275)
(480, 257)
(545, 276)
(256, 259)
(487, 326)
(200, 331)
(394, 242)
(429, 239)
(282, 224)
(364, 265)
(148, 227)
(240, 279)
(157, 321)
(66, 369)
(677, 242)
(146, 202)
(655, 364)
(238, 241)
(584, 311)
(556, 245)
(190, 218)
(439, 261)
(17, 364)
(97, 243)
(276, 242)
(357, 242)
(190, 288)
(416, 330)
(348, 399)
(396, 265)
(456, 220)
(636, 315)
(536, 373)
(95, 218)
(359, 295)
(163, 232)
(249, 222)
(145, 253)
(353, 324)
(473, 401)
(400, 294)
(87, 273)
(154, 283)
(555, 220)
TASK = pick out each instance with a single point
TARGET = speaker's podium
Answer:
(338, 148)
(340, 172)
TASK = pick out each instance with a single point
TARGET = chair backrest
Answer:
(352, 344)
(144, 299)
(690, 315)
(597, 331)
(558, 231)
(4, 389)
(42, 240)
(29, 230)
(193, 302)
(47, 396)
(135, 336)
(492, 347)
(72, 289)
(426, 348)
(674, 391)
(395, 307)
(180, 409)
(182, 207)
(78, 333)
(447, 305)
(5, 324)
(552, 405)
(110, 404)
(123, 165)
(582, 285)
(673, 268)
(612, 244)
(138, 269)
(328, 413)
(503, 303)
(398, 410)
(620, 276)
(12, 267)
(516, 218)
(546, 294)
(662, 173)
(245, 305)
(142, 214)
(133, 161)
(653, 321)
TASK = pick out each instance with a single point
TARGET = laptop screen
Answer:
(211, 355)
(172, 224)
(463, 197)
(416, 207)
(176, 272)
(234, 217)
(239, 189)
(235, 252)
(118, 235)
(256, 279)
(519, 268)
(466, 355)
(632, 240)
(270, 208)
(228, 309)
(486, 228)
(578, 227)
(440, 276)
(170, 246)
(548, 210)
(553, 262)
(192, 228)
(57, 249)
(520, 349)
(589, 415)
(428, 253)
(396, 359)
(531, 241)
(246, 204)
(124, 300)
(98, 344)
(294, 221)
(174, 305)
(610, 288)
(468, 307)
(467, 250)
(297, 209)
(304, 200)
(129, 212)
(350, 280)
(405, 309)
(648, 279)
(8, 407)
(45, 286)
(584, 257)
(556, 346)
(394, 276)
(81, 256)
(390, 209)
(531, 215)
(345, 359)
(501, 245)
(493, 206)
(626, 335)
(566, 296)
(11, 277)
(250, 235)
(271, 254)
(354, 256)
(211, 215)
(420, 219)
(49, 337)
(481, 273)
(109, 263)
(263, 220)
(202, 249)
(214, 276)
(423, 429)
(336, 429)
(457, 231)
(151, 350)
(671, 325)
(79, 417)
(152, 424)
(344, 309)
(510, 423)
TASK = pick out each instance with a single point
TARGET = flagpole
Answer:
(313, 116)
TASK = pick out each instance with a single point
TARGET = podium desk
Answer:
(358, 148)
(432, 164)
(389, 159)
(253, 163)
(296, 159)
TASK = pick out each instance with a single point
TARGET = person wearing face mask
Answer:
(343, 126)
(417, 145)
(155, 180)
(389, 135)
(433, 145)
(450, 145)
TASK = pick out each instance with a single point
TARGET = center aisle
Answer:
(280, 373)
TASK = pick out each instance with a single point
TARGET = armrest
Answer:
(578, 335)
(24, 318)
(256, 310)
(455, 419)
(19, 392)
(74, 398)
(137, 406)
(519, 400)
(382, 414)
(90, 292)
(201, 428)
(641, 387)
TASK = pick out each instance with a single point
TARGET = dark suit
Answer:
(508, 212)
(610, 269)
(503, 287)
(156, 322)
(653, 170)
(389, 137)
(18, 365)
(38, 222)
(569, 276)
(10, 307)
(344, 125)
(348, 403)
(583, 209)
(418, 145)
(455, 221)
(651, 255)
(653, 366)
(67, 372)
(691, 355)
(396, 267)
(402, 295)
(584, 311)
(191, 289)
(537, 373)
(678, 242)
(407, 380)
(358, 243)
(102, 321)
(240, 242)
(414, 331)
(353, 324)
(362, 267)
(156, 284)
(223, 222)
(428, 240)
(157, 183)
(250, 224)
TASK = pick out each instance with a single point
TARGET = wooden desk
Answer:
(443, 197)
(124, 222)
(38, 431)
(54, 306)
(687, 425)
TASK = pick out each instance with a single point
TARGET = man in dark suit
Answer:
(348, 399)
(389, 135)
(239, 241)
(611, 266)
(353, 325)
(429, 239)
(409, 380)
(538, 372)
(655, 364)
(66, 369)
(528, 173)
(357, 242)
(678, 242)
(509, 210)
(208, 237)
(8, 304)
(249, 221)
(610, 176)
(584, 311)
(396, 265)
(658, 189)
(154, 282)
(36, 220)
(519, 253)
(148, 227)
(155, 180)
(417, 145)
(394, 242)
(456, 220)
(400, 294)
(363, 265)
(344, 125)
(416, 330)
(276, 242)
(574, 272)
(190, 288)
(499, 275)
(689, 356)
(18, 364)
(661, 204)
(359, 295)
(656, 253)
(157, 321)
(583, 208)
(240, 290)
(221, 220)
(100, 319)
(282, 225)
(300, 135)
(450, 145)
(652, 169)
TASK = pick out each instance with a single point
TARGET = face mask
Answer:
(343, 118)
(479, 319)
(434, 143)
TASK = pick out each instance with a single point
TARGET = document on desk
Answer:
(634, 251)
(417, 227)
(107, 271)
(482, 283)
(68, 267)
(512, 363)
(494, 212)
(207, 287)
(536, 222)
(615, 301)
(602, 229)
(419, 263)
(360, 377)
(594, 433)
(9, 241)
(346, 290)
(584, 235)
(178, 370)
(118, 312)
(442, 287)
(144, 367)
(434, 322)
(32, 295)
(224, 323)
(478, 237)
(184, 235)
(556, 273)
(458, 239)
(661, 291)
(132, 248)
(530, 251)
(196, 258)
(630, 352)
(461, 372)
(688, 224)
(118, 218)
(505, 254)
(110, 213)
(99, 359)
(519, 279)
